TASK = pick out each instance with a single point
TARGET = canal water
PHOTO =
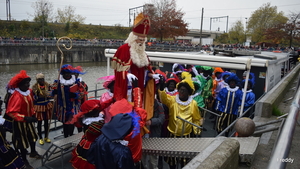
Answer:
(93, 71)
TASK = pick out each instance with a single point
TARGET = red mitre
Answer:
(141, 25)
(13, 83)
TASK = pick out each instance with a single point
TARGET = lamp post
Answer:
(135, 8)
(246, 32)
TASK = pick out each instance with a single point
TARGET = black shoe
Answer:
(35, 155)
(27, 165)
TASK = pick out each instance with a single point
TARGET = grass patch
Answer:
(276, 111)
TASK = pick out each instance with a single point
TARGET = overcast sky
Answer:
(111, 12)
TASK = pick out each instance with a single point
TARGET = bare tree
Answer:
(68, 15)
(42, 11)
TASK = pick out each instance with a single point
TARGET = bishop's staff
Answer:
(61, 63)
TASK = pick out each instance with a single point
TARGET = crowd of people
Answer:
(141, 102)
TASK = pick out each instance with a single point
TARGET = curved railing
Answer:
(283, 146)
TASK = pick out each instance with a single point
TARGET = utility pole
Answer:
(200, 44)
(8, 14)
(43, 19)
(246, 31)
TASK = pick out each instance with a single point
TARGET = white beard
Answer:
(137, 51)
(138, 54)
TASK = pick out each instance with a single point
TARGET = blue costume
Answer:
(110, 150)
(228, 103)
(250, 96)
(69, 97)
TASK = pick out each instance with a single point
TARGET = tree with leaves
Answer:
(166, 20)
(237, 33)
(222, 39)
(292, 28)
(262, 19)
(68, 15)
(42, 14)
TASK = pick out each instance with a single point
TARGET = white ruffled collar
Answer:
(232, 90)
(67, 82)
(218, 80)
(203, 76)
(247, 90)
(224, 83)
(23, 93)
(172, 92)
(184, 103)
(196, 94)
(11, 91)
(89, 120)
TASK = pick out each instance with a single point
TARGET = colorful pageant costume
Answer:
(110, 150)
(8, 156)
(93, 126)
(68, 98)
(122, 63)
(187, 110)
(20, 105)
(228, 104)
(79, 154)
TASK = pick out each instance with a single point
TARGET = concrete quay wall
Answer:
(273, 98)
(49, 54)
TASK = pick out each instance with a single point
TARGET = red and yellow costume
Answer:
(20, 105)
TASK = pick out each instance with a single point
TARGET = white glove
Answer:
(130, 77)
(195, 71)
(156, 76)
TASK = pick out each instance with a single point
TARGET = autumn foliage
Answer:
(166, 20)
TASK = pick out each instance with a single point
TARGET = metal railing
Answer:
(284, 142)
